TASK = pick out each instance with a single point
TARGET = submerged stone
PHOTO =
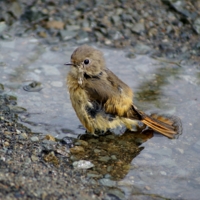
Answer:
(82, 164)
(33, 87)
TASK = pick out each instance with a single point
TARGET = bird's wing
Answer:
(114, 95)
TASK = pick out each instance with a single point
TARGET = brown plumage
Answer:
(103, 102)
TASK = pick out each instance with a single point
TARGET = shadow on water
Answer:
(111, 155)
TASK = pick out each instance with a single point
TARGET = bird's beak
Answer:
(71, 64)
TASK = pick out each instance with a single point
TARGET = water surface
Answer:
(167, 168)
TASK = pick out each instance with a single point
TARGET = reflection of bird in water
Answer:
(103, 102)
(110, 154)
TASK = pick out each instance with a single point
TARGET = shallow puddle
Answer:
(35, 74)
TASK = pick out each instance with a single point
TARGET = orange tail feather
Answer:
(168, 126)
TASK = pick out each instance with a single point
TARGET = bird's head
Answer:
(88, 60)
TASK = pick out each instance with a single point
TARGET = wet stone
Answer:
(196, 25)
(3, 26)
(50, 137)
(77, 149)
(107, 182)
(23, 136)
(51, 158)
(142, 49)
(104, 158)
(115, 19)
(17, 109)
(34, 158)
(118, 194)
(83, 164)
(130, 55)
(68, 141)
(90, 175)
(97, 150)
(82, 37)
(27, 161)
(33, 87)
(48, 145)
(34, 139)
(81, 143)
(7, 37)
(2, 64)
(138, 28)
(73, 27)
(68, 34)
(113, 157)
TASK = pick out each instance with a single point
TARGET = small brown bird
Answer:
(103, 102)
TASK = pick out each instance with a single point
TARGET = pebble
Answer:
(23, 136)
(196, 25)
(97, 150)
(34, 139)
(104, 158)
(3, 26)
(77, 149)
(48, 145)
(34, 158)
(82, 164)
(107, 182)
(138, 28)
(163, 173)
(34, 86)
(81, 143)
(27, 161)
(90, 175)
(68, 34)
(113, 157)
(117, 194)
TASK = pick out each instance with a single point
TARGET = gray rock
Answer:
(3, 26)
(34, 139)
(196, 25)
(113, 157)
(138, 28)
(73, 27)
(23, 136)
(27, 161)
(115, 19)
(34, 158)
(82, 164)
(142, 49)
(34, 86)
(82, 37)
(48, 145)
(97, 150)
(107, 182)
(104, 158)
(90, 175)
(68, 34)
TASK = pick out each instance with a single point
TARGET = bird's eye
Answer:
(86, 61)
